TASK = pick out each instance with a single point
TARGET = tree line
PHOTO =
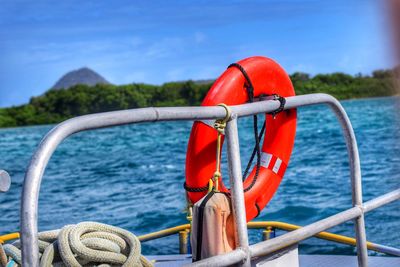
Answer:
(57, 105)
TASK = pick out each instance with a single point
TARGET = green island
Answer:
(58, 105)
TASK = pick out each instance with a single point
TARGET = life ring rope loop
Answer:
(249, 85)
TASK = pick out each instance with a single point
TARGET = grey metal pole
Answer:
(227, 259)
(236, 182)
(267, 247)
(381, 200)
(356, 185)
(272, 245)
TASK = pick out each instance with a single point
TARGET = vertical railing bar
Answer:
(356, 184)
(235, 177)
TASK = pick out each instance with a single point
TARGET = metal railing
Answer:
(243, 254)
(268, 227)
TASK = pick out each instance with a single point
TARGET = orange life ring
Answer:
(268, 78)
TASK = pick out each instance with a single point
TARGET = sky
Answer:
(160, 41)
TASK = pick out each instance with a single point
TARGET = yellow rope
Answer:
(220, 126)
(8, 237)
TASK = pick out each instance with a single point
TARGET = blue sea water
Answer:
(131, 176)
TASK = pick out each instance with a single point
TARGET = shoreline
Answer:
(342, 100)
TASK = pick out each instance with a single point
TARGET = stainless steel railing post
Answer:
(236, 183)
(356, 185)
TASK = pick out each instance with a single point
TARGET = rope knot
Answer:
(220, 125)
(217, 175)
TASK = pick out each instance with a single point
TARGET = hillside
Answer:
(84, 76)
(57, 105)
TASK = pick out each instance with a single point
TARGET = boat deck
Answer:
(305, 261)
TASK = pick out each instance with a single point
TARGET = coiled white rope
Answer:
(85, 244)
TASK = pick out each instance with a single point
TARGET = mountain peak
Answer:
(83, 75)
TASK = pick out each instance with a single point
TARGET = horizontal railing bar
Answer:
(282, 226)
(269, 246)
(342, 239)
(152, 114)
(227, 259)
(386, 249)
(255, 225)
(381, 200)
(291, 102)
